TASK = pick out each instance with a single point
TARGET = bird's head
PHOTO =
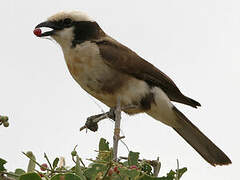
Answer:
(70, 28)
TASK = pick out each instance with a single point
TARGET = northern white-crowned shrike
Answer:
(108, 70)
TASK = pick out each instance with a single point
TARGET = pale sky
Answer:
(196, 43)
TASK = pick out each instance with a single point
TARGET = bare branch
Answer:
(114, 114)
(156, 167)
(116, 135)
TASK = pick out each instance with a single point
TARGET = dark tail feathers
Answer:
(186, 100)
(192, 102)
(204, 146)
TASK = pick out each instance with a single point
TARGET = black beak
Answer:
(49, 24)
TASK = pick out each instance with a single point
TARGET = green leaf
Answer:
(79, 172)
(31, 164)
(125, 163)
(2, 162)
(181, 171)
(103, 145)
(55, 163)
(105, 154)
(30, 176)
(95, 170)
(68, 176)
(147, 177)
(171, 175)
(19, 171)
(133, 173)
(147, 168)
(133, 158)
(130, 173)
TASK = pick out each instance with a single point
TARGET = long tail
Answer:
(204, 146)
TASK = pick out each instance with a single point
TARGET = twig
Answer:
(177, 174)
(53, 171)
(125, 144)
(45, 156)
(116, 135)
(156, 167)
(82, 162)
(36, 162)
(74, 154)
(109, 167)
(78, 156)
(43, 174)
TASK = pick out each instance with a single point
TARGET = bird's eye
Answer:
(67, 22)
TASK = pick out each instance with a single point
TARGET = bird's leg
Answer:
(92, 121)
(111, 113)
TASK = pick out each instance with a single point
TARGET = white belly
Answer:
(161, 110)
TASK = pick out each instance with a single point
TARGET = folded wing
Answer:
(125, 60)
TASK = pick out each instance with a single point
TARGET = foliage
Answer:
(4, 121)
(101, 167)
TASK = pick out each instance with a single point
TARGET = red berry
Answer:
(110, 172)
(133, 167)
(41, 175)
(37, 32)
(115, 169)
(44, 167)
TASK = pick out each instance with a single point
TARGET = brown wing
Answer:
(123, 59)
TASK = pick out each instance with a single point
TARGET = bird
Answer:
(108, 70)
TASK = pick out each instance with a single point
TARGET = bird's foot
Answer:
(111, 113)
(92, 121)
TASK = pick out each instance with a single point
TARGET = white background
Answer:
(197, 43)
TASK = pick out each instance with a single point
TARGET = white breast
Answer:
(89, 70)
